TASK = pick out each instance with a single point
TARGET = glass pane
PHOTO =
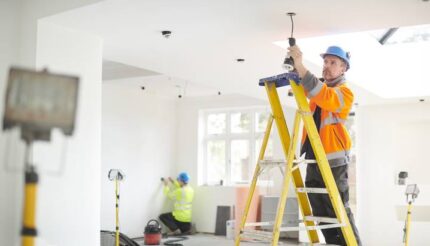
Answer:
(268, 154)
(216, 161)
(261, 119)
(240, 122)
(216, 123)
(240, 160)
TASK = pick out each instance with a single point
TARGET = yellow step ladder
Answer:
(291, 171)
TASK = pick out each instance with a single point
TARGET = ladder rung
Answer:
(310, 228)
(256, 234)
(305, 161)
(267, 223)
(301, 162)
(298, 162)
(312, 190)
(269, 162)
(321, 219)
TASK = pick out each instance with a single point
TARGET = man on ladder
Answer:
(330, 101)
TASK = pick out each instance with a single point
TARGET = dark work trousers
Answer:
(174, 224)
(321, 204)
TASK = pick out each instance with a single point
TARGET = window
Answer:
(231, 144)
(352, 170)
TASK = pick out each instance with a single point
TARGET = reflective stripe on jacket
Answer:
(335, 100)
(183, 198)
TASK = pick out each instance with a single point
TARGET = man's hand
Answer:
(171, 180)
(296, 54)
(165, 181)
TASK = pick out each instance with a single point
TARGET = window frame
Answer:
(252, 136)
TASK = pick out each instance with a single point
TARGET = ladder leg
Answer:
(286, 183)
(302, 198)
(285, 141)
(254, 179)
(323, 164)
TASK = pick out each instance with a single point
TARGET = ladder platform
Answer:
(280, 79)
(312, 190)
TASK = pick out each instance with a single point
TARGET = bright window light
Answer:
(391, 71)
(404, 35)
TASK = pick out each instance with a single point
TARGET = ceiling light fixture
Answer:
(166, 33)
(387, 35)
(240, 60)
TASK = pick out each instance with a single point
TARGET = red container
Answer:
(152, 234)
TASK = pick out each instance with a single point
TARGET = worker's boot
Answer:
(174, 233)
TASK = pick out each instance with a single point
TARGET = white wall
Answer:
(10, 183)
(138, 136)
(392, 138)
(68, 206)
(30, 12)
(208, 198)
(62, 218)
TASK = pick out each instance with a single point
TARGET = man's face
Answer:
(333, 67)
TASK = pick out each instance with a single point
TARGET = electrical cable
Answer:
(175, 242)
(292, 25)
(288, 63)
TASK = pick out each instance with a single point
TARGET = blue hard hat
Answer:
(184, 177)
(339, 52)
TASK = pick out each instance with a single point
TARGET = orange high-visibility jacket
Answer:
(335, 100)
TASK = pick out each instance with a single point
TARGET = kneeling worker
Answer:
(178, 221)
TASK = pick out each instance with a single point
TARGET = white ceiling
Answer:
(208, 36)
(116, 70)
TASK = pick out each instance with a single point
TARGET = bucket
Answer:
(229, 224)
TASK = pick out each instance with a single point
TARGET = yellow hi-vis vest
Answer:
(183, 198)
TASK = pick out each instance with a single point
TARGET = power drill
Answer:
(289, 61)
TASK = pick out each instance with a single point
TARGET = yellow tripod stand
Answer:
(117, 176)
(411, 193)
(292, 170)
(29, 231)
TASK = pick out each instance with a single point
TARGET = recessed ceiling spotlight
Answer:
(219, 93)
(142, 87)
(240, 60)
(166, 33)
(421, 100)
